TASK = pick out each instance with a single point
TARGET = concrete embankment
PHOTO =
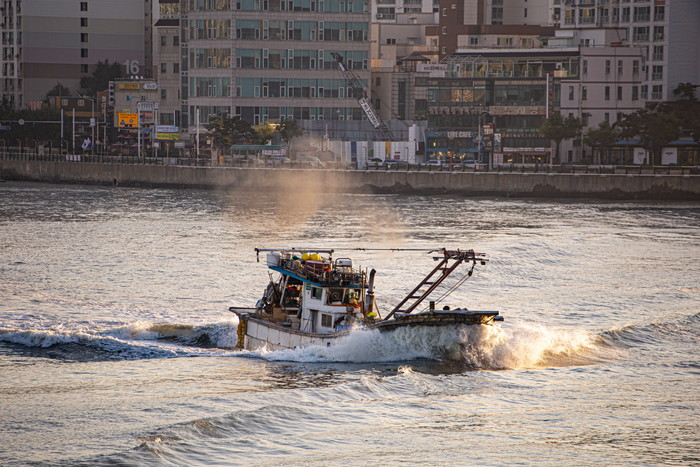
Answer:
(545, 185)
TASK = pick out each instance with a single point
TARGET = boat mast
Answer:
(436, 277)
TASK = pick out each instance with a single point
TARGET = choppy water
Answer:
(116, 347)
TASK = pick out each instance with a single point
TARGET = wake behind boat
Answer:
(315, 299)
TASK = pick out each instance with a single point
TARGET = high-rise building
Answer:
(270, 60)
(667, 30)
(50, 41)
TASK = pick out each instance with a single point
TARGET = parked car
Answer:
(473, 165)
(432, 163)
(279, 160)
(394, 164)
(310, 161)
(374, 163)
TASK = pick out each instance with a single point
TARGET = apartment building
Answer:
(50, 41)
(166, 66)
(270, 60)
(667, 31)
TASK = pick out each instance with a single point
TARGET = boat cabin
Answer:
(313, 293)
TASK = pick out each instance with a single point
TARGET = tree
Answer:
(603, 137)
(687, 108)
(654, 127)
(558, 128)
(262, 134)
(57, 91)
(290, 129)
(228, 131)
(103, 74)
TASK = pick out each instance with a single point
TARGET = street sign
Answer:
(127, 119)
(5, 127)
(145, 105)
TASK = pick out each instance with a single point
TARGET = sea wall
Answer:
(546, 185)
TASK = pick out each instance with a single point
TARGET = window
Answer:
(176, 41)
(444, 12)
(585, 67)
(83, 53)
(378, 81)
(163, 94)
(473, 41)
(83, 22)
(635, 67)
(658, 33)
(163, 41)
(84, 68)
(657, 72)
(444, 29)
(571, 93)
(606, 117)
(607, 93)
(656, 91)
(176, 68)
(326, 320)
(619, 93)
(659, 13)
(83, 6)
(658, 53)
(619, 67)
(163, 68)
(640, 34)
(584, 93)
(316, 293)
(635, 93)
(83, 37)
(607, 67)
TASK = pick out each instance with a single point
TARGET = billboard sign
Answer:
(127, 120)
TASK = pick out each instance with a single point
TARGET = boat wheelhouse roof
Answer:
(306, 280)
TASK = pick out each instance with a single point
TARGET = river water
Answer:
(116, 346)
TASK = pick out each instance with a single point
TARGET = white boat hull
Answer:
(255, 333)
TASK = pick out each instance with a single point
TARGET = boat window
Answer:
(326, 320)
(316, 293)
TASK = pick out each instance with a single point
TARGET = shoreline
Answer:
(673, 187)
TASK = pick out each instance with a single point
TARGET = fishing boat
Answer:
(314, 299)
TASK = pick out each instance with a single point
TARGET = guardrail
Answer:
(228, 161)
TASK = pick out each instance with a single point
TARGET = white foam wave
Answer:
(221, 334)
(486, 347)
(109, 344)
(525, 346)
(140, 339)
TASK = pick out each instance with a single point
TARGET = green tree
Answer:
(655, 128)
(262, 134)
(228, 131)
(290, 129)
(687, 108)
(558, 128)
(100, 78)
(57, 91)
(603, 137)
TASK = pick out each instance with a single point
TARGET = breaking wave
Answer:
(513, 346)
(479, 347)
(139, 340)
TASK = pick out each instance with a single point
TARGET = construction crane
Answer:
(359, 93)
